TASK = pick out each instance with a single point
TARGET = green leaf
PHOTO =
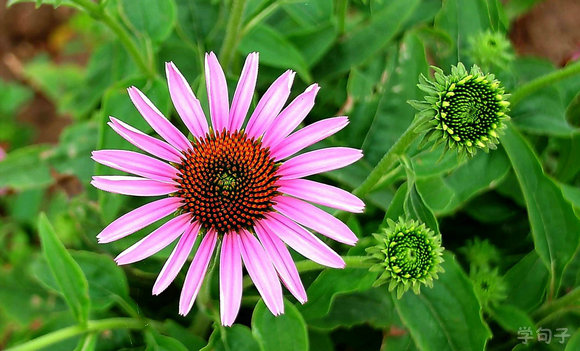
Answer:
(446, 317)
(237, 337)
(445, 193)
(364, 42)
(373, 307)
(155, 19)
(416, 208)
(107, 282)
(314, 43)
(555, 227)
(511, 318)
(330, 284)
(67, 273)
(158, 342)
(274, 50)
(286, 332)
(526, 282)
(396, 207)
(393, 114)
(26, 168)
(462, 19)
(574, 342)
(12, 97)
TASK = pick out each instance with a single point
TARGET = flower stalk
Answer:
(232, 32)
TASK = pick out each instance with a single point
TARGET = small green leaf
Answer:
(286, 332)
(67, 273)
(26, 168)
(555, 227)
(155, 19)
(447, 316)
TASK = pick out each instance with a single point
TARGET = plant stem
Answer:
(389, 159)
(65, 333)
(543, 81)
(307, 266)
(563, 302)
(124, 37)
(232, 32)
(341, 10)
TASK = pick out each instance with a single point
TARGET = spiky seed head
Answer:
(408, 254)
(491, 50)
(467, 109)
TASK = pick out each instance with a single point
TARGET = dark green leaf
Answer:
(67, 273)
(237, 337)
(286, 332)
(512, 318)
(446, 317)
(526, 282)
(330, 284)
(555, 228)
(158, 342)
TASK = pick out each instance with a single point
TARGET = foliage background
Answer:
(366, 55)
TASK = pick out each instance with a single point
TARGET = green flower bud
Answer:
(491, 50)
(480, 254)
(489, 285)
(408, 254)
(468, 109)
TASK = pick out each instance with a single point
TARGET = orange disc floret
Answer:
(227, 181)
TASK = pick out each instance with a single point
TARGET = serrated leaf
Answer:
(447, 316)
(286, 332)
(67, 273)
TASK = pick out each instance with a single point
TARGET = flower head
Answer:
(490, 287)
(481, 254)
(233, 182)
(491, 50)
(468, 109)
(409, 254)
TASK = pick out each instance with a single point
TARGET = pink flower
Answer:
(232, 184)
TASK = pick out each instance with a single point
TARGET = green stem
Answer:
(543, 81)
(124, 37)
(390, 158)
(65, 333)
(341, 10)
(307, 266)
(232, 32)
(563, 302)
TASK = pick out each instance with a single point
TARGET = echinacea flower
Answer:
(408, 254)
(232, 182)
(467, 109)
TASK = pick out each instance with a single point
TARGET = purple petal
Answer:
(145, 142)
(244, 92)
(196, 272)
(134, 186)
(138, 218)
(185, 102)
(280, 257)
(319, 161)
(262, 272)
(307, 136)
(177, 259)
(315, 219)
(157, 121)
(230, 279)
(217, 92)
(291, 117)
(322, 194)
(156, 241)
(301, 240)
(136, 163)
(270, 105)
